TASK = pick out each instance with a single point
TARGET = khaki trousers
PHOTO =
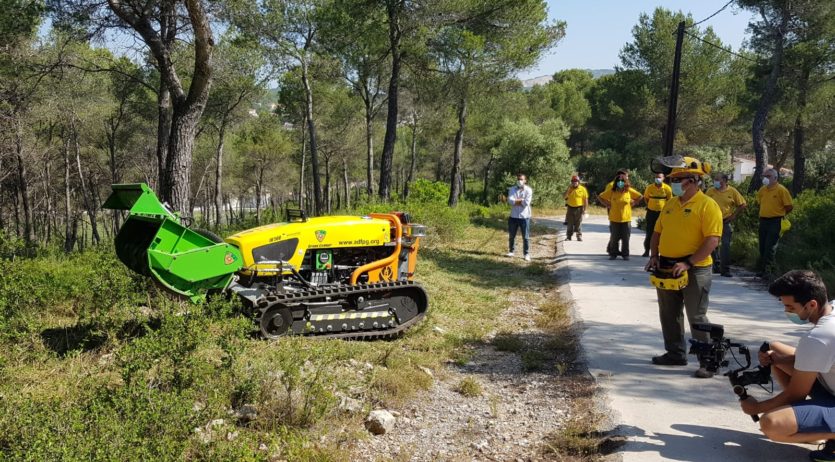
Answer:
(672, 304)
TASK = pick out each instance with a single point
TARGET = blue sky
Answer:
(597, 29)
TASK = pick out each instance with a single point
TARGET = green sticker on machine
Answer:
(324, 260)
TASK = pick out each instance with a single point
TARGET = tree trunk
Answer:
(69, 220)
(178, 163)
(393, 10)
(88, 206)
(413, 163)
(23, 187)
(487, 171)
(311, 130)
(163, 132)
(455, 180)
(765, 104)
(219, 174)
(328, 202)
(369, 147)
(301, 169)
(800, 134)
(345, 182)
(259, 188)
(16, 203)
(48, 199)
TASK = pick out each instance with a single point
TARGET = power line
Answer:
(714, 14)
(721, 48)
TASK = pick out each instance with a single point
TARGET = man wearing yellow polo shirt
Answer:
(685, 234)
(656, 194)
(731, 203)
(576, 199)
(775, 203)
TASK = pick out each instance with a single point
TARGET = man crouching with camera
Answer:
(805, 371)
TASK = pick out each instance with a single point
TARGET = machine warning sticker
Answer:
(229, 258)
(320, 235)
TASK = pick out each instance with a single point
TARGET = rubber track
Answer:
(343, 292)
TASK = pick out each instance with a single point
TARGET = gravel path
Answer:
(511, 419)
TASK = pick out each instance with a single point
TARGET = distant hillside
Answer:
(542, 80)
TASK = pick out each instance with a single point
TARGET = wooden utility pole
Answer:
(670, 131)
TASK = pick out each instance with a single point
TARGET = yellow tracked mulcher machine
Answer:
(337, 276)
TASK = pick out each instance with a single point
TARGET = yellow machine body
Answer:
(324, 243)
(290, 241)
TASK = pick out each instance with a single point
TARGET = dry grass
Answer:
(469, 387)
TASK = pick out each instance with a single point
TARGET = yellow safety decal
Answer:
(349, 315)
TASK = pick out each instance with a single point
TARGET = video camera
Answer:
(712, 357)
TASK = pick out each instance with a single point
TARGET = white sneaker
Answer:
(509, 254)
(527, 258)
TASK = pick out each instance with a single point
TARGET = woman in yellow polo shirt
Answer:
(620, 200)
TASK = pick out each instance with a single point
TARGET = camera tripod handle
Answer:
(743, 395)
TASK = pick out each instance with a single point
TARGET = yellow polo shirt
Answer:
(683, 227)
(657, 196)
(576, 197)
(773, 201)
(620, 210)
(729, 200)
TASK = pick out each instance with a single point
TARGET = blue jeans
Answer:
(513, 224)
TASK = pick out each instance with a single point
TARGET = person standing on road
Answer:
(732, 204)
(805, 371)
(656, 195)
(775, 203)
(576, 200)
(685, 234)
(519, 197)
(620, 200)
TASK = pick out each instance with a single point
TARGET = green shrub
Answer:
(92, 287)
(469, 387)
(425, 191)
(808, 245)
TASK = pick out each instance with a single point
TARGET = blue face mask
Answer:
(658, 181)
(795, 318)
(619, 184)
(717, 184)
(677, 189)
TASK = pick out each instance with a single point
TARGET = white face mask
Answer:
(520, 183)
(766, 181)
(658, 181)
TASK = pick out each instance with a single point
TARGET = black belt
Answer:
(770, 218)
(575, 206)
(669, 262)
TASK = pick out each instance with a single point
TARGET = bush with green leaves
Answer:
(426, 191)
(93, 286)
(807, 245)
(538, 151)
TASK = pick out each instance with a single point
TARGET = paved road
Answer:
(665, 413)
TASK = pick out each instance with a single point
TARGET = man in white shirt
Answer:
(805, 371)
(519, 197)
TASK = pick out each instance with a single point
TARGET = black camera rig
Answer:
(712, 357)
